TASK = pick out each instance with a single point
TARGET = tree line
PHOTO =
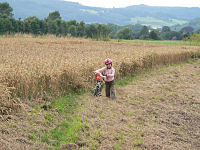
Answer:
(53, 24)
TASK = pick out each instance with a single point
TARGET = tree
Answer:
(20, 25)
(5, 10)
(153, 35)
(72, 22)
(64, 27)
(5, 25)
(81, 29)
(125, 33)
(91, 31)
(33, 23)
(72, 30)
(2, 26)
(144, 31)
(113, 30)
(72, 26)
(195, 38)
(136, 30)
(52, 27)
(187, 29)
(59, 26)
(166, 29)
(103, 32)
(8, 25)
(43, 27)
(173, 35)
(54, 15)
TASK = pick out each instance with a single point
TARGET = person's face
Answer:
(108, 66)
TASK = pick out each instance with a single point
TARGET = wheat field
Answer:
(31, 67)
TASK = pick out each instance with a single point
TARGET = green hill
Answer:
(194, 23)
(142, 14)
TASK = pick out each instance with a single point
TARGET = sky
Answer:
(125, 3)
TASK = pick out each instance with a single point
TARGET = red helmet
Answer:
(108, 61)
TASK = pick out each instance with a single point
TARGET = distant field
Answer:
(162, 42)
(156, 21)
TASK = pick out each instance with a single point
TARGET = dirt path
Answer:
(161, 110)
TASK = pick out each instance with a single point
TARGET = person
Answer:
(109, 73)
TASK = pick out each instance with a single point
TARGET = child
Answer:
(109, 72)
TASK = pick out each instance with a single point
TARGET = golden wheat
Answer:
(36, 66)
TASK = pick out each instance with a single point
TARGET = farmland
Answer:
(33, 70)
(35, 66)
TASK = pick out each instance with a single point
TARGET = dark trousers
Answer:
(110, 89)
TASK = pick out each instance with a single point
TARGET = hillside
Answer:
(142, 14)
(194, 23)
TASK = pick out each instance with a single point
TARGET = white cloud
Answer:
(124, 3)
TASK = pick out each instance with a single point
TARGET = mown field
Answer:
(159, 109)
(33, 71)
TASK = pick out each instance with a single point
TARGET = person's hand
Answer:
(107, 75)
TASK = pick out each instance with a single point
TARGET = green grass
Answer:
(120, 141)
(138, 140)
(66, 132)
(62, 128)
(126, 80)
(64, 105)
(32, 137)
(49, 117)
(159, 42)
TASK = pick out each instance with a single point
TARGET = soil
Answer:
(159, 110)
